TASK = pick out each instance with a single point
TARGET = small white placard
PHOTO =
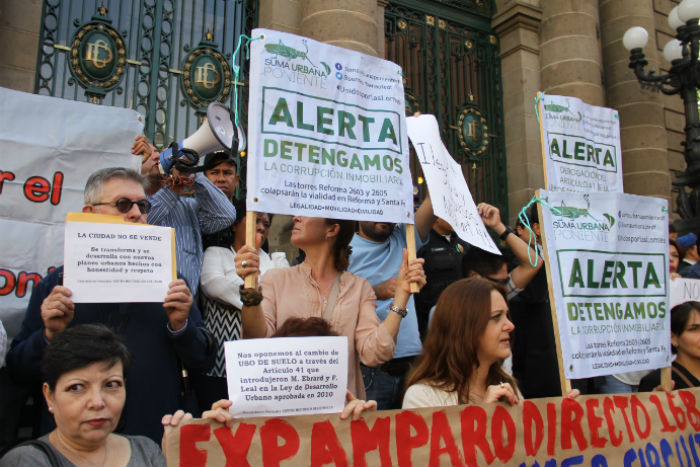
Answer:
(683, 290)
(112, 263)
(287, 375)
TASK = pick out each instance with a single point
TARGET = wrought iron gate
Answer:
(164, 58)
(451, 67)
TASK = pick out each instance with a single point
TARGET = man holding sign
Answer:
(157, 335)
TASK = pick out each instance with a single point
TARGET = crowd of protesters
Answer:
(107, 376)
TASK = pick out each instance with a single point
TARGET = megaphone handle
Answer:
(250, 280)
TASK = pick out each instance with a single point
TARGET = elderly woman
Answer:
(84, 371)
(321, 287)
(221, 302)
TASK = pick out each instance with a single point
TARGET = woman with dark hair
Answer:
(221, 302)
(84, 370)
(321, 287)
(675, 256)
(468, 338)
(685, 343)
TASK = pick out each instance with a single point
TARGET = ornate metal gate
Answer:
(167, 59)
(451, 67)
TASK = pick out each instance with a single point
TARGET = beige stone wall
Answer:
(19, 38)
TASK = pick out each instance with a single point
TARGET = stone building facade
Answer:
(568, 47)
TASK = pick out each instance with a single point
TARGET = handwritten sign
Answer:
(607, 256)
(581, 145)
(683, 290)
(327, 132)
(117, 262)
(287, 375)
(449, 193)
(642, 429)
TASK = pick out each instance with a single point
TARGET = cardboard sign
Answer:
(449, 192)
(581, 145)
(640, 429)
(107, 260)
(48, 149)
(607, 262)
(287, 375)
(327, 132)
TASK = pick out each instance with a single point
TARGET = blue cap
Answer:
(687, 240)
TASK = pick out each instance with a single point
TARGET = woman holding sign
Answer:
(468, 338)
(321, 287)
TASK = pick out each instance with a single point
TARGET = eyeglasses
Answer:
(503, 281)
(124, 205)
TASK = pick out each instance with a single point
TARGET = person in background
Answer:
(674, 258)
(85, 370)
(221, 169)
(320, 286)
(689, 267)
(220, 297)
(443, 254)
(685, 343)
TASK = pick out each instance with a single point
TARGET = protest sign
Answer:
(580, 145)
(606, 258)
(107, 260)
(327, 132)
(48, 148)
(683, 290)
(287, 375)
(643, 429)
(449, 193)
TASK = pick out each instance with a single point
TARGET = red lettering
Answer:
(5, 176)
(621, 403)
(236, 446)
(594, 423)
(190, 435)
(677, 412)
(273, 452)
(325, 447)
(441, 432)
(473, 421)
(635, 406)
(571, 415)
(551, 428)
(691, 406)
(22, 280)
(57, 188)
(365, 440)
(9, 282)
(37, 189)
(405, 442)
(609, 407)
(532, 419)
(667, 428)
(501, 420)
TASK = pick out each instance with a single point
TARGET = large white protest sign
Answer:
(326, 131)
(683, 290)
(287, 375)
(449, 193)
(581, 145)
(48, 148)
(107, 260)
(608, 267)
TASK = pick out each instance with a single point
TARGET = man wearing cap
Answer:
(220, 168)
(208, 211)
(690, 253)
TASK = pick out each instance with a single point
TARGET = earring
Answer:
(51, 409)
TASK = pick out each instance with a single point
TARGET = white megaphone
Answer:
(216, 133)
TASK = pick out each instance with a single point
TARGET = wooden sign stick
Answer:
(563, 381)
(411, 247)
(251, 280)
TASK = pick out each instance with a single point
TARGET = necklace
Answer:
(71, 454)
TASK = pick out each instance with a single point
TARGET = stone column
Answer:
(570, 50)
(517, 26)
(642, 127)
(19, 36)
(346, 23)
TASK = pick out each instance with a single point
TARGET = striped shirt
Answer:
(208, 212)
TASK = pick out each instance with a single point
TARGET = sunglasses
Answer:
(503, 281)
(124, 205)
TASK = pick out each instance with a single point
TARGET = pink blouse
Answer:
(293, 293)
